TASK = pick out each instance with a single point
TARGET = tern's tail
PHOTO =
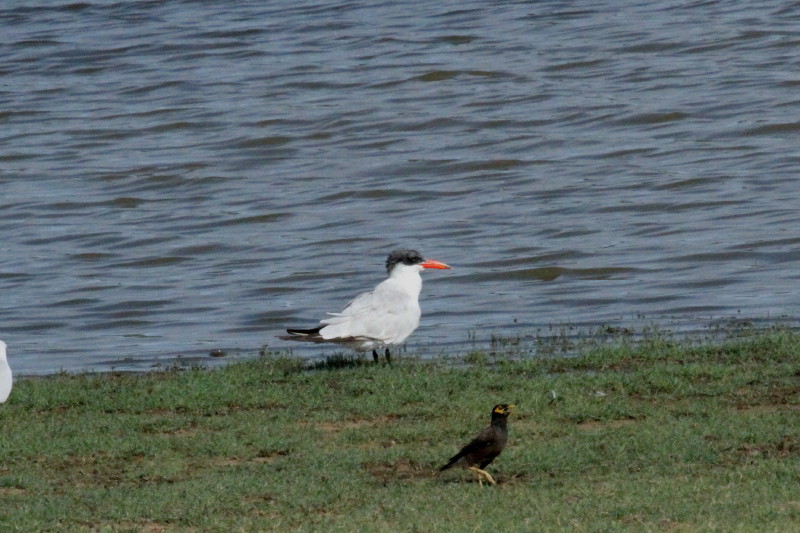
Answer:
(304, 332)
(313, 335)
(308, 335)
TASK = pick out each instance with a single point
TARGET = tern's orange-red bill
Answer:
(430, 263)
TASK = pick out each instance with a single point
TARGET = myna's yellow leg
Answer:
(477, 473)
(488, 477)
(482, 474)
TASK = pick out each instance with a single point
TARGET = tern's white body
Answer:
(386, 315)
(5, 374)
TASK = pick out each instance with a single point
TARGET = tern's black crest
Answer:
(406, 256)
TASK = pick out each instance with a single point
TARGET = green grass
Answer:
(657, 436)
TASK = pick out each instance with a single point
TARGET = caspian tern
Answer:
(5, 374)
(385, 316)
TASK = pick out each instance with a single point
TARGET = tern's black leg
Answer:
(375, 355)
(388, 356)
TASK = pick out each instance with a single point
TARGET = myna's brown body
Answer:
(484, 448)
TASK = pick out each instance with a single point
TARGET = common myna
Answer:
(485, 447)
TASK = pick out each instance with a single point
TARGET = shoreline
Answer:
(565, 340)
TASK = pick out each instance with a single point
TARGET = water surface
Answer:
(185, 176)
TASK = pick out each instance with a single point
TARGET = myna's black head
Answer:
(502, 410)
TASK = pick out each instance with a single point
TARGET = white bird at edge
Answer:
(385, 316)
(5, 374)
